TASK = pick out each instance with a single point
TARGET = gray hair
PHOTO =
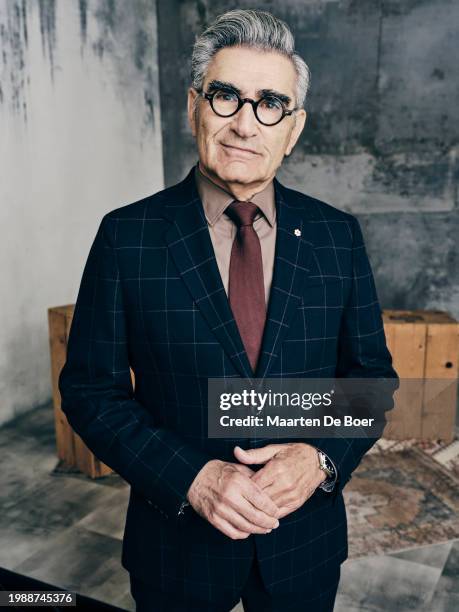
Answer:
(250, 28)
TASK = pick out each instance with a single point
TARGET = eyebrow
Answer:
(215, 84)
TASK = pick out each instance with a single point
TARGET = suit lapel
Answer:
(190, 246)
(293, 250)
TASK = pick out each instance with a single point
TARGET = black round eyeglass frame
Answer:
(254, 103)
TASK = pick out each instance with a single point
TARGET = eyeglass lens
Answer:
(269, 110)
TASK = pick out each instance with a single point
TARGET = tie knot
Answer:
(242, 213)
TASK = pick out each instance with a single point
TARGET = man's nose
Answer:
(244, 121)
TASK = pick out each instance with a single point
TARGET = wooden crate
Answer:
(424, 345)
(71, 449)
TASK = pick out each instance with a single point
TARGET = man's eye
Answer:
(272, 103)
(227, 96)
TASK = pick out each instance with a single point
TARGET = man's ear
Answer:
(300, 120)
(192, 94)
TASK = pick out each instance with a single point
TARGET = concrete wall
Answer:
(381, 139)
(79, 136)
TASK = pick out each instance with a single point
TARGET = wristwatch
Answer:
(326, 465)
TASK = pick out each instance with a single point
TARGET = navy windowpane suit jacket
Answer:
(151, 298)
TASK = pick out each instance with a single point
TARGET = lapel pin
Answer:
(297, 232)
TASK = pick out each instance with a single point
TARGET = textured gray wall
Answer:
(79, 135)
(381, 139)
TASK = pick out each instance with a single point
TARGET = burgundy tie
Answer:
(246, 286)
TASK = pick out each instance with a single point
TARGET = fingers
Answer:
(286, 510)
(240, 522)
(260, 500)
(229, 530)
(255, 516)
(275, 482)
(264, 477)
(248, 500)
(256, 455)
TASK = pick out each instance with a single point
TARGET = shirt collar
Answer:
(215, 199)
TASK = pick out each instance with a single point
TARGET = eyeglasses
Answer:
(269, 110)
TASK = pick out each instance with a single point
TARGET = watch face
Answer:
(326, 465)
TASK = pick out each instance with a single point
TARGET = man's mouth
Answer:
(243, 150)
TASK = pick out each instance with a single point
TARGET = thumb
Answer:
(256, 455)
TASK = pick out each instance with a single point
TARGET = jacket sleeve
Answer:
(97, 394)
(363, 354)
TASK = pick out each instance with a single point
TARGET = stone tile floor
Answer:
(67, 530)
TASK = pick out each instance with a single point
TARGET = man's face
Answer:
(239, 149)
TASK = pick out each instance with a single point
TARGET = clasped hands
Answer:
(239, 501)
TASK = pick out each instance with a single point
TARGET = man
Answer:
(226, 274)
